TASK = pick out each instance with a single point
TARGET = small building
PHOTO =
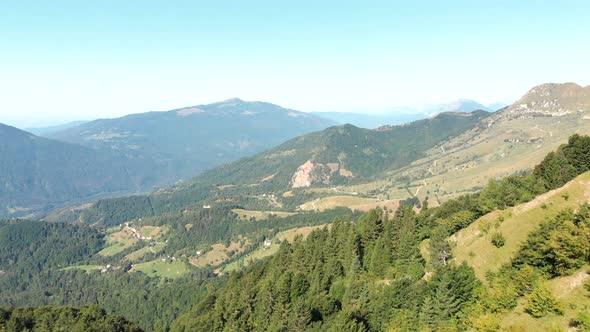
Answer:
(267, 243)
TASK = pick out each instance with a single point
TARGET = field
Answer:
(218, 254)
(260, 215)
(158, 268)
(118, 242)
(145, 250)
(474, 242)
(352, 202)
(152, 231)
(120, 239)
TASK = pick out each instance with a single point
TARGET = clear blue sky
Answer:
(67, 60)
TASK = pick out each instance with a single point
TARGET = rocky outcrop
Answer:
(550, 100)
(309, 173)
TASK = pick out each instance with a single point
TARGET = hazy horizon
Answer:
(65, 61)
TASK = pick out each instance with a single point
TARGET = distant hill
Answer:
(38, 173)
(341, 154)
(551, 99)
(401, 115)
(43, 131)
(186, 141)
(371, 121)
(461, 105)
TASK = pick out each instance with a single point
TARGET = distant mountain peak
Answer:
(233, 100)
(460, 106)
(551, 99)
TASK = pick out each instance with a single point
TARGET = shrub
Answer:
(542, 303)
(498, 240)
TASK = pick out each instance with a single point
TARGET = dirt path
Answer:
(418, 190)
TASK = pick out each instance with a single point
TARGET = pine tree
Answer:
(446, 303)
(428, 313)
(440, 248)
(380, 258)
(300, 317)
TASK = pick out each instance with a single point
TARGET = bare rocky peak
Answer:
(550, 99)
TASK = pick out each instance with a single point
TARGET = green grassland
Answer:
(159, 246)
(351, 202)
(260, 215)
(219, 254)
(473, 244)
(118, 242)
(164, 269)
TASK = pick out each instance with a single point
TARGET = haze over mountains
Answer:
(399, 115)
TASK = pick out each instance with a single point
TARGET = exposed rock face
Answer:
(302, 177)
(310, 173)
(550, 99)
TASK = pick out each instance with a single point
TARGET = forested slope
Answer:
(62, 319)
(37, 174)
(369, 276)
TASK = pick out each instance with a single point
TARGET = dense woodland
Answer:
(71, 319)
(364, 273)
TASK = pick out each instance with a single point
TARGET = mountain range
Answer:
(39, 173)
(438, 158)
(186, 141)
(137, 152)
(475, 221)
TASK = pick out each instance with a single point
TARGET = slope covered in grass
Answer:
(474, 243)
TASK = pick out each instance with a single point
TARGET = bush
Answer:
(498, 240)
(542, 303)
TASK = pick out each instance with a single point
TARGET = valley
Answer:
(294, 166)
(464, 219)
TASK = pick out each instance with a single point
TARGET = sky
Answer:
(79, 60)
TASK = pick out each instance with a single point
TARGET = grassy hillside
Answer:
(474, 243)
(510, 141)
